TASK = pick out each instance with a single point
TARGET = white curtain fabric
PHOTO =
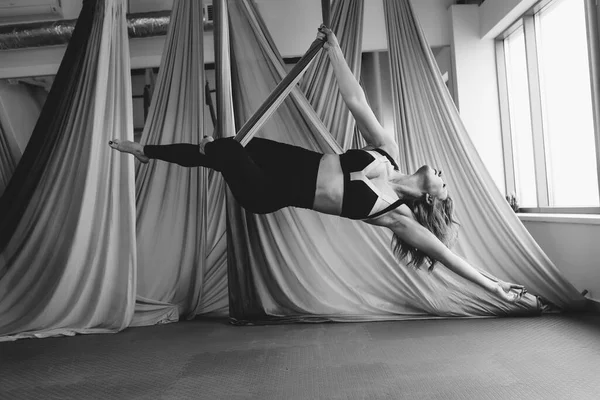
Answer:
(300, 265)
(181, 243)
(70, 266)
(430, 132)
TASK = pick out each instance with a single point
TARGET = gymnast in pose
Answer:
(362, 184)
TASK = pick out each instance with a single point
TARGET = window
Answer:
(520, 118)
(567, 104)
(549, 106)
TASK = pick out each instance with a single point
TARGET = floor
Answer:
(548, 357)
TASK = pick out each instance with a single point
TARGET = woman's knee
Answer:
(224, 151)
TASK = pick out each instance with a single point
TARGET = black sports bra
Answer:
(362, 199)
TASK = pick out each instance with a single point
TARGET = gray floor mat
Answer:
(549, 357)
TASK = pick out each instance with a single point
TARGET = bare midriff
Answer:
(329, 192)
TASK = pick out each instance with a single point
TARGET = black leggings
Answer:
(264, 176)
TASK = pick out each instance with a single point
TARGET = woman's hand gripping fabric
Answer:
(328, 37)
(510, 292)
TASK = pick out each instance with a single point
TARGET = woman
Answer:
(364, 184)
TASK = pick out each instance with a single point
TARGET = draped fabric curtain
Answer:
(67, 216)
(245, 18)
(181, 243)
(319, 83)
(430, 132)
(28, 173)
(300, 265)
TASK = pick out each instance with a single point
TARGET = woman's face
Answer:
(433, 182)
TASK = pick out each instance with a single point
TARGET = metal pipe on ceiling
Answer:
(53, 33)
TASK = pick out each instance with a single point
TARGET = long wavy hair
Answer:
(438, 218)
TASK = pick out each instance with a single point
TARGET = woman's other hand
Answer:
(510, 292)
(328, 36)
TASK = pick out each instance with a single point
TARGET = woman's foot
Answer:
(206, 139)
(127, 146)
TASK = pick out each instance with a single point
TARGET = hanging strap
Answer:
(325, 11)
(278, 95)
(392, 206)
(385, 153)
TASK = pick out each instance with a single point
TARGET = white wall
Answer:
(443, 58)
(477, 87)
(498, 15)
(71, 8)
(433, 18)
(376, 77)
(572, 246)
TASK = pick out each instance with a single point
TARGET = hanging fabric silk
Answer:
(180, 224)
(430, 132)
(300, 265)
(68, 260)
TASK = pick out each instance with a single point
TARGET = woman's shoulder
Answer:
(392, 217)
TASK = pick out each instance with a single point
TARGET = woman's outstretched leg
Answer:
(255, 190)
(184, 154)
(264, 177)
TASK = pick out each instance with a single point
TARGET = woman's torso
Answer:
(357, 185)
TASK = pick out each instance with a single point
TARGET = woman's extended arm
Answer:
(418, 236)
(355, 98)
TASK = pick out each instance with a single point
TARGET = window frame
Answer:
(528, 23)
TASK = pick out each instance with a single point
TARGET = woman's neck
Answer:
(406, 186)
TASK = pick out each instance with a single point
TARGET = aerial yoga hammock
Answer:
(362, 184)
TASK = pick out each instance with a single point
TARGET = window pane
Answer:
(567, 105)
(520, 118)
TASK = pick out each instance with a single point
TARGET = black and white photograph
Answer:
(299, 199)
